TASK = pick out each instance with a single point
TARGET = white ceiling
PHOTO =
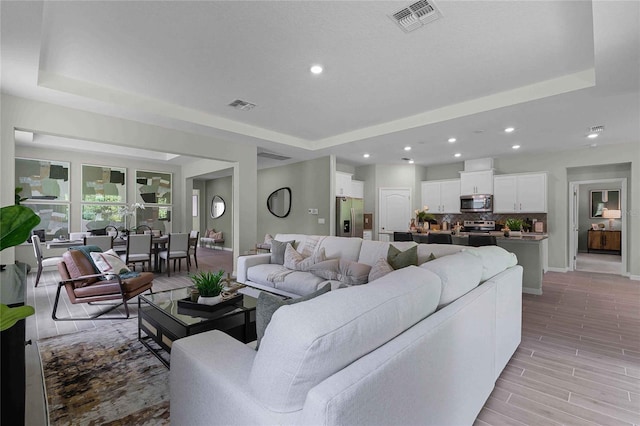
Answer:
(550, 69)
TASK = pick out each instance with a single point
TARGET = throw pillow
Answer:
(379, 269)
(268, 238)
(216, 235)
(297, 261)
(346, 271)
(109, 262)
(209, 233)
(401, 259)
(430, 258)
(268, 303)
(277, 251)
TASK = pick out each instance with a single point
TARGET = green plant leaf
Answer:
(10, 316)
(16, 223)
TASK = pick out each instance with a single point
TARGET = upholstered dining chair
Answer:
(439, 238)
(105, 242)
(138, 250)
(482, 240)
(177, 249)
(43, 262)
(194, 237)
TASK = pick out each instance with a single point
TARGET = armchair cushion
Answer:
(109, 262)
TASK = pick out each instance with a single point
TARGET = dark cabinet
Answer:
(12, 342)
(603, 240)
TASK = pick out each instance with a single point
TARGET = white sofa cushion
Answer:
(494, 259)
(307, 342)
(259, 273)
(301, 283)
(438, 250)
(341, 248)
(460, 273)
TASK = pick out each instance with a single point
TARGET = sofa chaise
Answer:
(420, 345)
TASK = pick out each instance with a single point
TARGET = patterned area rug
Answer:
(104, 376)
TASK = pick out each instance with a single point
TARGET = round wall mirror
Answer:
(279, 202)
(217, 207)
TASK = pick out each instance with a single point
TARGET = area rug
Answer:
(104, 376)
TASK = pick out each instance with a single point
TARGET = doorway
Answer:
(597, 228)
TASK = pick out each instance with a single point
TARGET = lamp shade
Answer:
(611, 214)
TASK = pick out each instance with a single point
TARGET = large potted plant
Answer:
(209, 286)
(16, 223)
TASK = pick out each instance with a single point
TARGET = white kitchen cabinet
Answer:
(343, 184)
(479, 182)
(520, 193)
(441, 196)
(357, 189)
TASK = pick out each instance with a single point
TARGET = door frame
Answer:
(574, 187)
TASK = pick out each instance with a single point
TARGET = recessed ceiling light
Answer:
(366, 156)
(515, 146)
(316, 69)
(451, 140)
(411, 161)
(457, 154)
(593, 145)
(407, 148)
(592, 135)
(509, 129)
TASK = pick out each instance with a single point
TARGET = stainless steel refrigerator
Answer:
(349, 217)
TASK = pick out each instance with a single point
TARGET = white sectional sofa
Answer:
(255, 270)
(421, 345)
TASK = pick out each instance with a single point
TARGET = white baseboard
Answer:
(562, 270)
(634, 277)
(535, 291)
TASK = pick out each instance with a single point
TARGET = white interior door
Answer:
(394, 209)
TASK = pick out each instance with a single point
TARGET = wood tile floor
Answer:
(578, 364)
(579, 360)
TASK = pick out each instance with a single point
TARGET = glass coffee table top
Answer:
(167, 302)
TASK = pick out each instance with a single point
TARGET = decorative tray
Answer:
(188, 304)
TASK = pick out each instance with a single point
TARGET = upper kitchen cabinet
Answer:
(441, 196)
(343, 184)
(521, 193)
(477, 182)
(357, 189)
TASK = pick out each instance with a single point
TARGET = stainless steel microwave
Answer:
(476, 203)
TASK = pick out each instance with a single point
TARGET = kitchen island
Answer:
(530, 249)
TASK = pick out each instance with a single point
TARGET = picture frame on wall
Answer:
(104, 184)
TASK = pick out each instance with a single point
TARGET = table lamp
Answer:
(611, 214)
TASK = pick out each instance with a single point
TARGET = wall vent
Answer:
(273, 156)
(242, 105)
(416, 15)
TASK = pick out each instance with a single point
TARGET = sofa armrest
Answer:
(246, 262)
(209, 382)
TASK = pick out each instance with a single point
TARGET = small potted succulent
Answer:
(513, 227)
(209, 286)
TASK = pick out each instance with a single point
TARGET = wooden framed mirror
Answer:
(602, 199)
(279, 202)
(217, 207)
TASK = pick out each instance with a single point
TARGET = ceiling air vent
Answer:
(273, 156)
(596, 129)
(416, 15)
(242, 105)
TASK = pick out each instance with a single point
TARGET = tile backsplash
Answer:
(499, 218)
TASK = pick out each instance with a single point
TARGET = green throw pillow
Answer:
(268, 303)
(401, 259)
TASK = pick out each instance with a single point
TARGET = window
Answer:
(104, 192)
(154, 190)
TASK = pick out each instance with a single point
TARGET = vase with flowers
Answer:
(127, 213)
(423, 217)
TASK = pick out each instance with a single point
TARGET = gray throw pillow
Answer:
(268, 303)
(277, 251)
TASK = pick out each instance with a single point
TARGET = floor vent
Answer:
(242, 105)
(273, 156)
(416, 15)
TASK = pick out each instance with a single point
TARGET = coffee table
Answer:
(161, 321)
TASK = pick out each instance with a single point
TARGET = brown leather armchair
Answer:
(83, 285)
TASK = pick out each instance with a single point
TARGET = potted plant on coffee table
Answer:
(209, 286)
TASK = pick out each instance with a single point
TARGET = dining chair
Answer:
(43, 262)
(138, 250)
(177, 249)
(194, 237)
(105, 242)
(439, 238)
(482, 240)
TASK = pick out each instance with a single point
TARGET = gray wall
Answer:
(310, 188)
(224, 188)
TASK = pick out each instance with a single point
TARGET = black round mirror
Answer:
(279, 202)
(217, 207)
